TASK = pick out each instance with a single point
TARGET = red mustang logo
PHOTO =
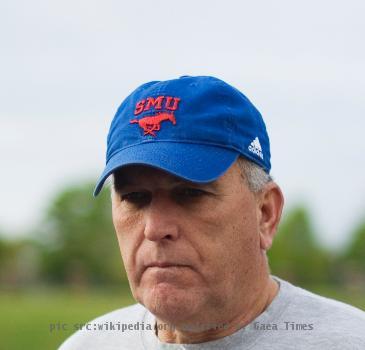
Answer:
(150, 124)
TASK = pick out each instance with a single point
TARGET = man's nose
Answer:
(161, 219)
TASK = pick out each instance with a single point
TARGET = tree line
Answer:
(75, 245)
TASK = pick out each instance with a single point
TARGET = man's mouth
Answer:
(164, 264)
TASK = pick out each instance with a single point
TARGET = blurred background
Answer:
(65, 68)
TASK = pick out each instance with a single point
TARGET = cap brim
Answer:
(192, 162)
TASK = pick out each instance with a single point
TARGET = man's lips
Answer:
(163, 267)
(164, 264)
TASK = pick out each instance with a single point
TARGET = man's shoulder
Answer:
(111, 330)
(313, 303)
(333, 321)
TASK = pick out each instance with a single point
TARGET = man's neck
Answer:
(257, 306)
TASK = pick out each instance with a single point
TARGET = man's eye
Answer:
(135, 197)
(191, 192)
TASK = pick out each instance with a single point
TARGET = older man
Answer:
(195, 211)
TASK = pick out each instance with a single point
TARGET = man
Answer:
(195, 211)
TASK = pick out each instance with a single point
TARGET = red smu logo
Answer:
(152, 123)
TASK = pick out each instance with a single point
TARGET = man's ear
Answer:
(270, 206)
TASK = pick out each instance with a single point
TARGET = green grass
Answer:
(26, 316)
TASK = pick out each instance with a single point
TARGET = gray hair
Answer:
(254, 176)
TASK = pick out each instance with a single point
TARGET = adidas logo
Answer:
(255, 147)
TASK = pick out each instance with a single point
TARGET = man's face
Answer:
(190, 251)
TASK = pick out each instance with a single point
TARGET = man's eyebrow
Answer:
(122, 182)
(214, 186)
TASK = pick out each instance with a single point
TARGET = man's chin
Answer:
(170, 303)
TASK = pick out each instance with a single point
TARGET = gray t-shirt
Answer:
(295, 319)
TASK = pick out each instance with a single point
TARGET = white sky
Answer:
(67, 65)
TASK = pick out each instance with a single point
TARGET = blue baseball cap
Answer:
(192, 127)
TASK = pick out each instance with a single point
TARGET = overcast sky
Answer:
(67, 65)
